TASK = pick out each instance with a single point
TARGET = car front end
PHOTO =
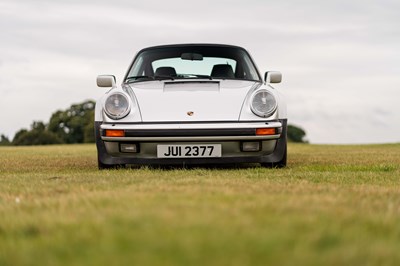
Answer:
(202, 116)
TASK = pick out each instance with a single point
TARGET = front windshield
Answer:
(189, 62)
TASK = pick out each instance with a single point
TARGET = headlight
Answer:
(263, 103)
(117, 105)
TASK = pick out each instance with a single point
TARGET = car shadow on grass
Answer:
(198, 166)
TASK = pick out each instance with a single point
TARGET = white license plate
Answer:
(189, 151)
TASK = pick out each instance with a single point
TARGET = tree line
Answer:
(76, 125)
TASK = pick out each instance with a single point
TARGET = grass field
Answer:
(332, 205)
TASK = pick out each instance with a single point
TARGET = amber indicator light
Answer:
(265, 131)
(115, 133)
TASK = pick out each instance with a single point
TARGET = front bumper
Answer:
(230, 135)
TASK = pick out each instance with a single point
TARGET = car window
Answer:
(193, 61)
(137, 67)
(189, 67)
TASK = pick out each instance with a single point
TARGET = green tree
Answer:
(38, 135)
(296, 134)
(89, 130)
(19, 135)
(4, 141)
(74, 125)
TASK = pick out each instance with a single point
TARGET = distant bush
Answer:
(296, 134)
(38, 135)
(74, 125)
(4, 141)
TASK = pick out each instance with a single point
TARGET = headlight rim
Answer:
(122, 115)
(256, 112)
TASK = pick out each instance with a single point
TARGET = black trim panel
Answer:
(188, 132)
(107, 160)
(190, 122)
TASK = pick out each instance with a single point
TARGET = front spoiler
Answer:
(106, 159)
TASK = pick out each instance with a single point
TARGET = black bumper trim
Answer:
(106, 159)
(193, 122)
(188, 132)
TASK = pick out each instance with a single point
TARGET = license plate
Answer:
(189, 151)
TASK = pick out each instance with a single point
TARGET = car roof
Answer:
(192, 44)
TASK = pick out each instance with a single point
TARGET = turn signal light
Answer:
(265, 131)
(115, 133)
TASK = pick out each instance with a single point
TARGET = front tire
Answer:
(279, 164)
(102, 166)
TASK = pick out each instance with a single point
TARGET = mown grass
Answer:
(333, 205)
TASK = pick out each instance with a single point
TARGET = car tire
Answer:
(279, 164)
(103, 166)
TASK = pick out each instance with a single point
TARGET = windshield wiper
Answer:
(134, 78)
(191, 76)
(204, 76)
(137, 78)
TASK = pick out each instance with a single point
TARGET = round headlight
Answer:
(263, 103)
(117, 105)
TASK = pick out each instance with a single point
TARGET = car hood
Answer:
(191, 101)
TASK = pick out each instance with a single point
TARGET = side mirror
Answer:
(106, 81)
(273, 77)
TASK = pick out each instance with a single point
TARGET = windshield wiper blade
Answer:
(137, 78)
(134, 78)
(204, 76)
(189, 76)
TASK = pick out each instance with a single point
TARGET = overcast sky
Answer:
(340, 59)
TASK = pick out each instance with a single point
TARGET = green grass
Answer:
(332, 205)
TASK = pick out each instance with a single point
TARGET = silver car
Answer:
(191, 104)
